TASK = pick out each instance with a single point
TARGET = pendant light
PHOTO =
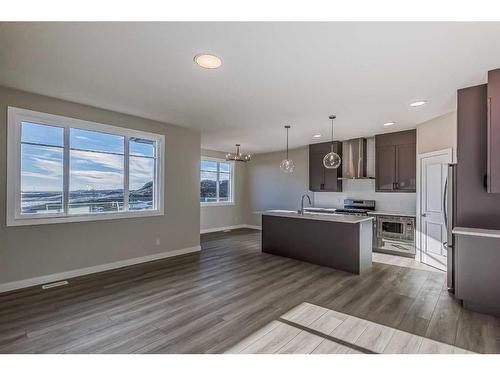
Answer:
(238, 156)
(332, 160)
(287, 165)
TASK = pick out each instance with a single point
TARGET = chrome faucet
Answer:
(301, 211)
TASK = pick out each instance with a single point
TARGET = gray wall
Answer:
(270, 188)
(31, 251)
(437, 134)
(212, 217)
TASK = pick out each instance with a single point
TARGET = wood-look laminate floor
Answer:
(231, 296)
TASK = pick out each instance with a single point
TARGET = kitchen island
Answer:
(343, 242)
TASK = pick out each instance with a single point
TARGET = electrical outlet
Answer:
(158, 242)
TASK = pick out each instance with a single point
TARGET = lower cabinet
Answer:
(477, 280)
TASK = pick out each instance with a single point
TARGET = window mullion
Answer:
(66, 156)
(217, 183)
(126, 176)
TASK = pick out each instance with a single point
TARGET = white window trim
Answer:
(17, 115)
(232, 202)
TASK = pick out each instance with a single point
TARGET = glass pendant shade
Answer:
(332, 160)
(287, 165)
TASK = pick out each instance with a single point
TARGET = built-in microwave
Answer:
(401, 228)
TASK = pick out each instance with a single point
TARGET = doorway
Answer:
(431, 228)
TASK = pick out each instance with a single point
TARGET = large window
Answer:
(62, 169)
(216, 182)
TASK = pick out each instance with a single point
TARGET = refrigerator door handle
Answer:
(445, 198)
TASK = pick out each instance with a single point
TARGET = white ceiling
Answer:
(272, 74)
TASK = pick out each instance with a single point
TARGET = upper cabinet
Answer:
(321, 178)
(493, 119)
(395, 161)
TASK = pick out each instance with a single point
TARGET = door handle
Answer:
(423, 215)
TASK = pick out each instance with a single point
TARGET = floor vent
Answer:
(54, 285)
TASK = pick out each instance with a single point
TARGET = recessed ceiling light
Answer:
(389, 123)
(418, 103)
(208, 61)
(317, 136)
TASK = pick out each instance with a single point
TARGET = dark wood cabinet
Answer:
(321, 178)
(493, 120)
(385, 161)
(396, 162)
(406, 169)
(475, 207)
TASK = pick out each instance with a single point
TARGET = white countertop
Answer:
(477, 232)
(338, 218)
(385, 213)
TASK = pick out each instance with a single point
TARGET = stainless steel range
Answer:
(359, 207)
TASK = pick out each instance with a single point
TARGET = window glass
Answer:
(225, 167)
(141, 180)
(208, 165)
(63, 173)
(41, 179)
(96, 182)
(95, 141)
(208, 187)
(142, 147)
(215, 181)
(224, 187)
(42, 134)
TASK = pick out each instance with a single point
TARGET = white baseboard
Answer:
(88, 270)
(220, 229)
(258, 227)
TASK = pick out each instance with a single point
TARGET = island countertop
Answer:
(338, 218)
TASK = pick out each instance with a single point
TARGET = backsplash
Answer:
(365, 189)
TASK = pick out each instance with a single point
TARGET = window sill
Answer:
(216, 204)
(79, 218)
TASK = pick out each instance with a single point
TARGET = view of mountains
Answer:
(208, 190)
(87, 200)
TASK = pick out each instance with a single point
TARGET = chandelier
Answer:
(238, 156)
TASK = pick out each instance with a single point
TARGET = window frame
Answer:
(231, 201)
(16, 116)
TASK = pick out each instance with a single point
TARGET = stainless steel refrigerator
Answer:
(449, 203)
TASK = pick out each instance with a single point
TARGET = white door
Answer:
(433, 174)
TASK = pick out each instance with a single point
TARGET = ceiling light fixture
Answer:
(418, 103)
(316, 135)
(238, 156)
(208, 61)
(332, 160)
(389, 123)
(287, 165)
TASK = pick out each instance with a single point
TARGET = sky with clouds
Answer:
(42, 166)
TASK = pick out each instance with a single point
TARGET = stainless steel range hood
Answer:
(354, 159)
